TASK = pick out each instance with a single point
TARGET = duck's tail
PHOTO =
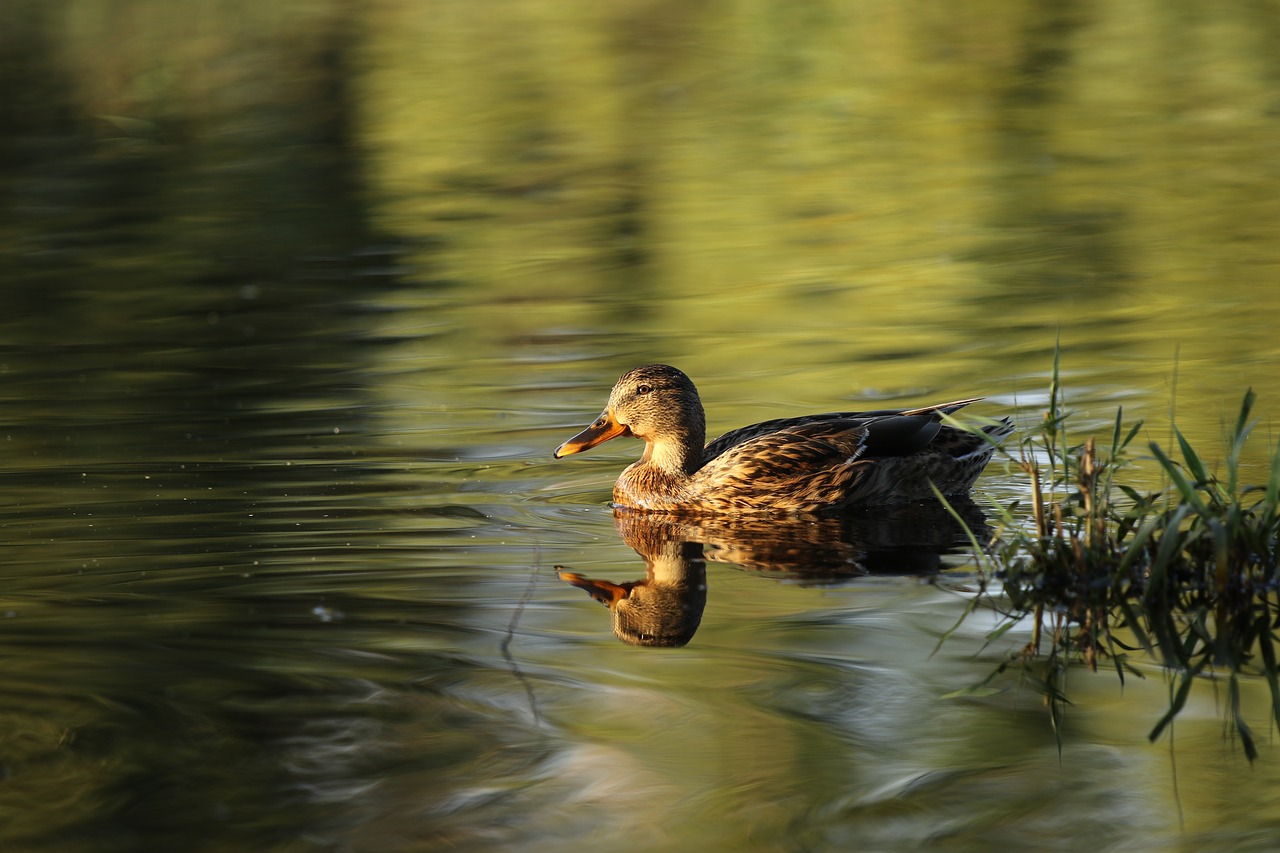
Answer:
(943, 408)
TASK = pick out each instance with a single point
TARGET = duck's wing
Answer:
(798, 466)
(824, 461)
(839, 422)
(748, 433)
(812, 465)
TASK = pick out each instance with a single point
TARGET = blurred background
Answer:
(296, 298)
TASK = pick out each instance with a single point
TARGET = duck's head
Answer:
(656, 403)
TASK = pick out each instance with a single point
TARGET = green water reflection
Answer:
(296, 299)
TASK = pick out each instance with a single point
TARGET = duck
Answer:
(804, 464)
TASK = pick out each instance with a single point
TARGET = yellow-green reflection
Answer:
(852, 195)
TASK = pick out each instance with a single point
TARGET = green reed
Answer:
(1186, 573)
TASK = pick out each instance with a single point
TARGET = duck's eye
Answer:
(644, 389)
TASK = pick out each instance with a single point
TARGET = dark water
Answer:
(296, 302)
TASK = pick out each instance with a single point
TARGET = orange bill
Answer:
(604, 428)
(605, 592)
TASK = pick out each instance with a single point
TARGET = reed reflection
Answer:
(665, 607)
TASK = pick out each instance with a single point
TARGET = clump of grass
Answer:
(1188, 572)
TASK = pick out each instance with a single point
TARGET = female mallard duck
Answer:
(803, 464)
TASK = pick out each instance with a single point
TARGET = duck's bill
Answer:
(605, 592)
(604, 428)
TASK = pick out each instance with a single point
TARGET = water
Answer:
(295, 310)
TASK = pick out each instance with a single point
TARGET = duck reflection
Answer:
(665, 607)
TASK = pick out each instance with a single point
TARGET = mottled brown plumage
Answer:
(802, 464)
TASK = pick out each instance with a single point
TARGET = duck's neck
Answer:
(677, 453)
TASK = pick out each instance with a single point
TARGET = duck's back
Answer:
(842, 459)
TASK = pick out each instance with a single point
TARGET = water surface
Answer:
(297, 301)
